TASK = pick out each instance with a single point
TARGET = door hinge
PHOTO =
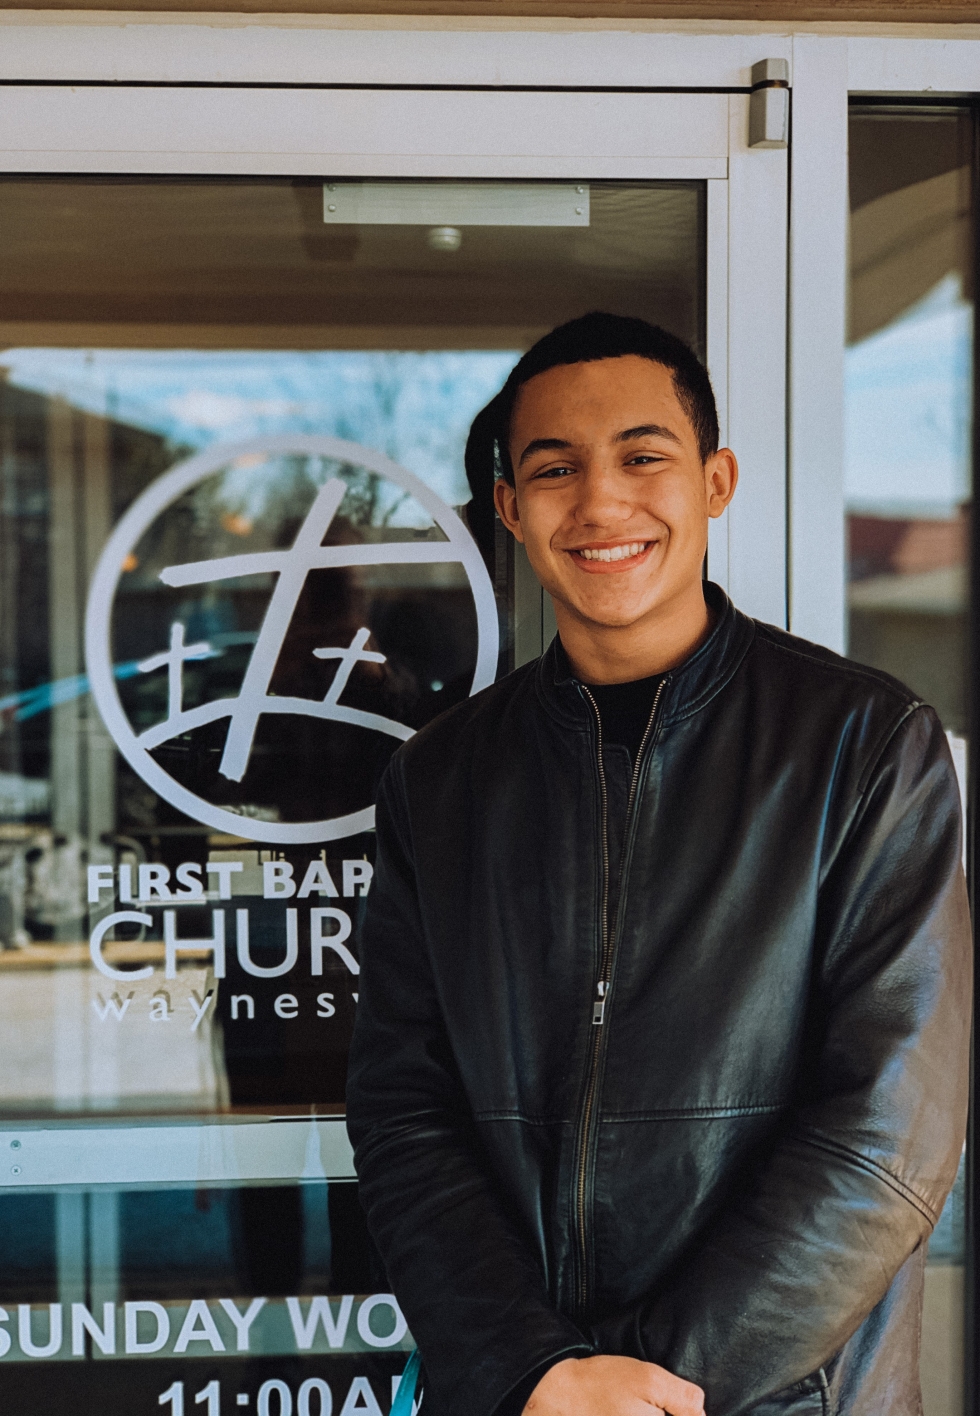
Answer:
(769, 104)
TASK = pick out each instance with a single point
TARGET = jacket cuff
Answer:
(516, 1399)
(620, 1335)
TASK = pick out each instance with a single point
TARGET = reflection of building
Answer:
(66, 475)
(908, 602)
(908, 382)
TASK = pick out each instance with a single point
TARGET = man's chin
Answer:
(608, 613)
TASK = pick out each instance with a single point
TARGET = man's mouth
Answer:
(612, 553)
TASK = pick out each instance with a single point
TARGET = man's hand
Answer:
(612, 1386)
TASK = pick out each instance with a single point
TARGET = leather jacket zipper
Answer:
(607, 938)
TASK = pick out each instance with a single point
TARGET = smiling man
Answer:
(659, 1075)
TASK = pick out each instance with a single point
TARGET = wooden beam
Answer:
(951, 12)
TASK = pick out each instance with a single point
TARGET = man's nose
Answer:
(604, 496)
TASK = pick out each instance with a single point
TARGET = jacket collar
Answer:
(690, 686)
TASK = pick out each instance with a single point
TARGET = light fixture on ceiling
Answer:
(456, 204)
(444, 238)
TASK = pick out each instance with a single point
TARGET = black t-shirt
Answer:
(624, 710)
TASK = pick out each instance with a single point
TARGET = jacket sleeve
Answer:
(472, 1293)
(811, 1241)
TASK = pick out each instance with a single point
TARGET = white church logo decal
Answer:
(290, 568)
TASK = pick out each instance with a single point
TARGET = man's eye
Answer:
(642, 458)
(553, 472)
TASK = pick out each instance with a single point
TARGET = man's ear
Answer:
(505, 500)
(720, 480)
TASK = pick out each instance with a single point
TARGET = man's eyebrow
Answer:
(542, 445)
(647, 430)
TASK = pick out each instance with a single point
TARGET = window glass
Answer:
(235, 573)
(908, 481)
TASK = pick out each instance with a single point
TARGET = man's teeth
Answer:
(614, 553)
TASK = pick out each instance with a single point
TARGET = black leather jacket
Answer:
(735, 1173)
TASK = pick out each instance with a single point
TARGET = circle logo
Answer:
(287, 570)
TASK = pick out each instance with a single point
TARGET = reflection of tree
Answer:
(377, 422)
(266, 511)
(395, 506)
(266, 508)
(360, 505)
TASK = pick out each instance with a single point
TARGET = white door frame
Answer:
(828, 69)
(747, 302)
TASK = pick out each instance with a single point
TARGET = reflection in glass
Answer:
(81, 805)
(172, 1081)
(908, 480)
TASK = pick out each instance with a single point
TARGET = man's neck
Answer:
(602, 654)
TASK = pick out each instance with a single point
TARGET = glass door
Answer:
(235, 573)
(908, 488)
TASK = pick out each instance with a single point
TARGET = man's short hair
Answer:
(580, 341)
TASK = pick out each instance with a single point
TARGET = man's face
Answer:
(611, 498)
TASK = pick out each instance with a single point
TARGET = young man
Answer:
(659, 1077)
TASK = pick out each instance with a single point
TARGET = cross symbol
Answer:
(291, 568)
(348, 658)
(175, 657)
